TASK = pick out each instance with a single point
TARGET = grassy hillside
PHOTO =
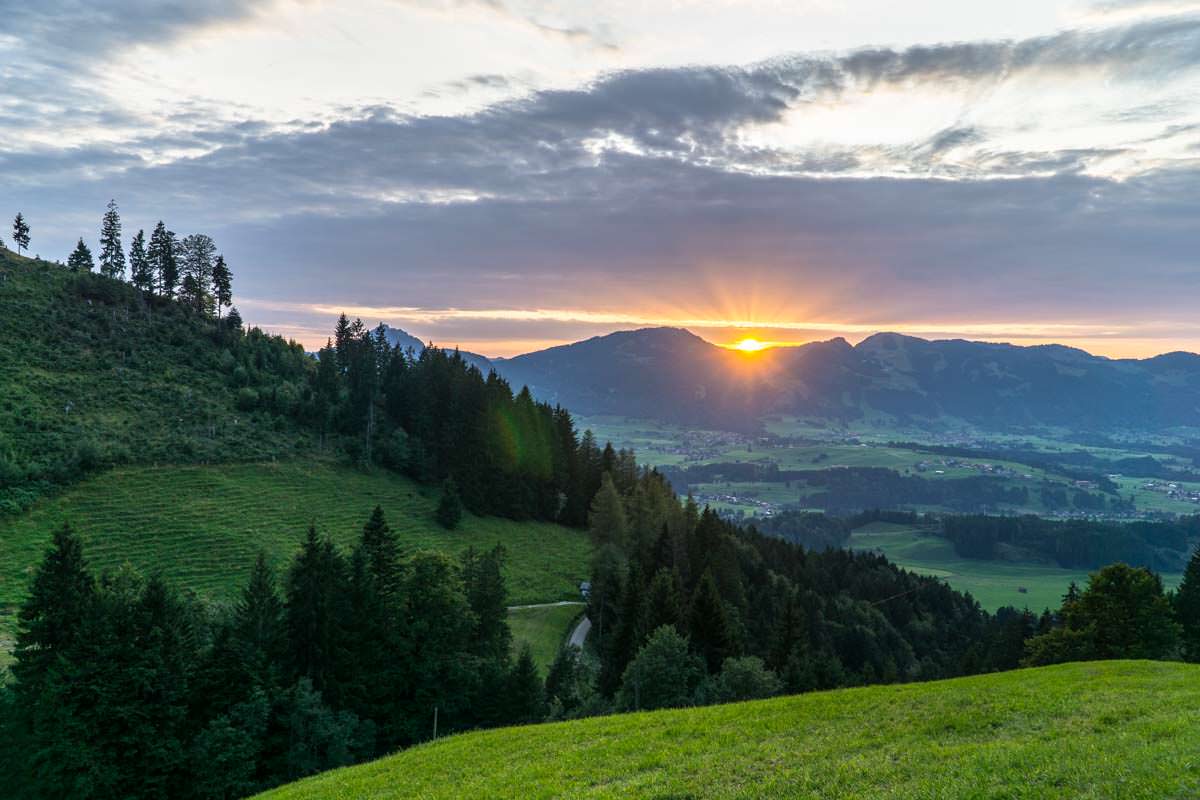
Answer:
(544, 628)
(992, 583)
(92, 376)
(202, 526)
(1098, 730)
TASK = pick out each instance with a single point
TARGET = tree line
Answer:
(187, 269)
(125, 687)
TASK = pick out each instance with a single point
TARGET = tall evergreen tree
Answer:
(21, 233)
(164, 259)
(383, 554)
(526, 695)
(222, 284)
(483, 581)
(140, 272)
(1187, 608)
(708, 624)
(258, 632)
(316, 613)
(80, 259)
(112, 254)
(607, 521)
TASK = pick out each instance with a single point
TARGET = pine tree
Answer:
(140, 271)
(222, 284)
(449, 510)
(80, 259)
(620, 649)
(1187, 608)
(163, 257)
(662, 605)
(20, 233)
(112, 256)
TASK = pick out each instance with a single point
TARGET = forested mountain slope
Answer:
(1102, 729)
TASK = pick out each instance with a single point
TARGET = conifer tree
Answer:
(1187, 608)
(663, 674)
(316, 615)
(59, 599)
(21, 233)
(449, 510)
(163, 257)
(607, 521)
(526, 695)
(383, 554)
(141, 274)
(222, 284)
(258, 633)
(483, 581)
(708, 624)
(662, 605)
(627, 637)
(112, 256)
(80, 259)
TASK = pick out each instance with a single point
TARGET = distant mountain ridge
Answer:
(405, 340)
(674, 375)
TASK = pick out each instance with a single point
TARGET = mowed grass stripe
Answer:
(201, 527)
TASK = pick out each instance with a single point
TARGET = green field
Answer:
(992, 583)
(1125, 729)
(544, 628)
(202, 526)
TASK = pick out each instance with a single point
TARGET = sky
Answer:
(506, 175)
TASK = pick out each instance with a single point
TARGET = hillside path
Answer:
(547, 605)
(580, 633)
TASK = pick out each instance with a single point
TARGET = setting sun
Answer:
(750, 345)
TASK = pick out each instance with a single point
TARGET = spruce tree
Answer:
(112, 256)
(606, 521)
(258, 633)
(163, 257)
(663, 606)
(526, 695)
(80, 259)
(140, 272)
(21, 233)
(708, 624)
(449, 510)
(383, 554)
(483, 581)
(60, 596)
(222, 284)
(1187, 608)
(316, 613)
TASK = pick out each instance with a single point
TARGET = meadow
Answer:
(1127, 729)
(202, 526)
(992, 583)
(544, 628)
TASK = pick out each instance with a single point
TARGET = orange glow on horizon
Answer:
(750, 345)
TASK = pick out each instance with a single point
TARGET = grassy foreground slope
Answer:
(202, 526)
(1094, 730)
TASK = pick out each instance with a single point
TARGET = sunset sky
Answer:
(505, 175)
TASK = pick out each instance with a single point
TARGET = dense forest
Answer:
(1076, 543)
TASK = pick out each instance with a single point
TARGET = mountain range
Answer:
(670, 374)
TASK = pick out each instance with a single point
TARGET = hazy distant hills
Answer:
(671, 374)
(406, 341)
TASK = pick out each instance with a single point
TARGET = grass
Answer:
(1096, 730)
(544, 628)
(992, 583)
(202, 526)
